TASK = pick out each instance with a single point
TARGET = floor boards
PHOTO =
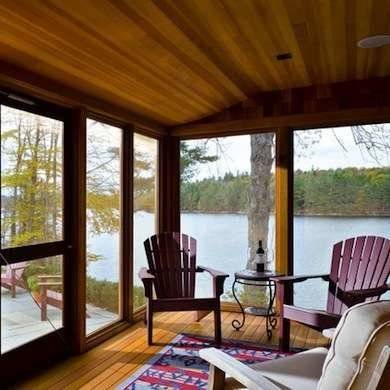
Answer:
(113, 361)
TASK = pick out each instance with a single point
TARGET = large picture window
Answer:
(145, 205)
(31, 216)
(227, 204)
(31, 178)
(341, 190)
(103, 225)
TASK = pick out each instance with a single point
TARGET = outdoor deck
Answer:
(112, 362)
(21, 319)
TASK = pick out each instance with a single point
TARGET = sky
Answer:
(325, 153)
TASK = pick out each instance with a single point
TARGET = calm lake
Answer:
(222, 244)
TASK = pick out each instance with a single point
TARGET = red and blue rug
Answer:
(178, 365)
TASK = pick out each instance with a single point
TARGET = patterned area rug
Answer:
(178, 365)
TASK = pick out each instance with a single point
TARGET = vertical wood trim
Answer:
(68, 208)
(161, 215)
(169, 184)
(284, 201)
(284, 261)
(126, 239)
(77, 251)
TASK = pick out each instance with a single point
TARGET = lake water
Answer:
(222, 244)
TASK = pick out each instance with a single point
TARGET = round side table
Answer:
(258, 279)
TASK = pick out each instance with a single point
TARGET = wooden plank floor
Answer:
(113, 361)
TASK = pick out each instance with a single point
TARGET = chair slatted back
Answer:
(172, 260)
(19, 270)
(358, 263)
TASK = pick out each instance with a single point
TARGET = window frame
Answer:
(53, 344)
(137, 313)
(127, 314)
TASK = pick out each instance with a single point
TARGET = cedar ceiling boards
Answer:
(176, 62)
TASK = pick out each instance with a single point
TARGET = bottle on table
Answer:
(260, 258)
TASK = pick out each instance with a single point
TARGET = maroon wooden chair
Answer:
(13, 277)
(49, 296)
(359, 271)
(171, 274)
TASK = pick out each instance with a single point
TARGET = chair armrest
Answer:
(248, 377)
(14, 269)
(353, 297)
(145, 275)
(218, 279)
(298, 278)
(147, 279)
(214, 273)
(20, 267)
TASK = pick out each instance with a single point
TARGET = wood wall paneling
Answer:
(365, 101)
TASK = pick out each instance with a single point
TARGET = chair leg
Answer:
(216, 379)
(217, 326)
(149, 320)
(284, 335)
(43, 303)
(200, 314)
(285, 294)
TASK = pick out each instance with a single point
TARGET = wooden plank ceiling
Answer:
(178, 61)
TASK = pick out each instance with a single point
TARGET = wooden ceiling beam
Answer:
(344, 103)
(33, 84)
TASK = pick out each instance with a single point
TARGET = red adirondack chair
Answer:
(13, 277)
(359, 271)
(172, 269)
(49, 296)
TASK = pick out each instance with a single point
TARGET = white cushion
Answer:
(297, 372)
(329, 333)
(358, 341)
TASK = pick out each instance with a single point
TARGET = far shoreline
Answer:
(333, 215)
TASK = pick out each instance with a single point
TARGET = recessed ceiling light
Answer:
(374, 41)
(284, 56)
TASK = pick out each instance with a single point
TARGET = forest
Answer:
(348, 191)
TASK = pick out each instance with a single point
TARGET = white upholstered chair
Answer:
(358, 358)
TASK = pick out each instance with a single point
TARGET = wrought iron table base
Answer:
(267, 312)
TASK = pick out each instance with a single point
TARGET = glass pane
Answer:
(145, 205)
(31, 178)
(227, 204)
(31, 301)
(341, 190)
(103, 224)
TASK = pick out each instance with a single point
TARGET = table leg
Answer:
(237, 325)
(271, 320)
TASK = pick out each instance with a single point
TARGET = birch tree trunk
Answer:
(262, 158)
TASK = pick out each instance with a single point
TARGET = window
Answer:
(31, 178)
(31, 213)
(341, 190)
(103, 225)
(31, 301)
(227, 204)
(145, 205)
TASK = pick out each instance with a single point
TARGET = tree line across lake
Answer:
(348, 191)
